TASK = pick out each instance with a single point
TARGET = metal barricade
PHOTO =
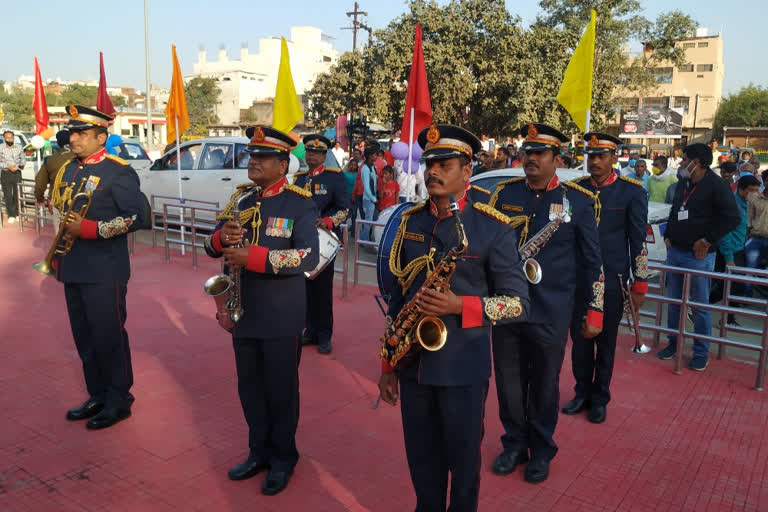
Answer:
(27, 206)
(344, 270)
(191, 221)
(365, 243)
(157, 210)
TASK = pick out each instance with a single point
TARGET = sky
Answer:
(68, 48)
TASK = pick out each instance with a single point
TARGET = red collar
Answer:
(275, 188)
(433, 207)
(610, 180)
(317, 171)
(95, 158)
(552, 185)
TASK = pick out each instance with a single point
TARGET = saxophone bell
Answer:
(532, 271)
(431, 333)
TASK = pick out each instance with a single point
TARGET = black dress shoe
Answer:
(325, 348)
(506, 462)
(275, 482)
(307, 338)
(251, 467)
(596, 414)
(537, 471)
(575, 406)
(89, 409)
(107, 418)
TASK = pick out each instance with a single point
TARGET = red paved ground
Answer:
(690, 442)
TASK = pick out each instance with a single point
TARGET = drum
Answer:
(387, 281)
(329, 245)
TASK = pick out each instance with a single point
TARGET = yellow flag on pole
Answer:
(287, 109)
(576, 90)
(177, 103)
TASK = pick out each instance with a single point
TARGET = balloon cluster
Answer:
(400, 152)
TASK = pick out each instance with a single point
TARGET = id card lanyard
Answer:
(682, 213)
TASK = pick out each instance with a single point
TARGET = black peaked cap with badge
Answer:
(442, 141)
(539, 137)
(316, 142)
(82, 118)
(268, 141)
(596, 143)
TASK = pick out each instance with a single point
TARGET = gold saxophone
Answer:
(413, 326)
(531, 248)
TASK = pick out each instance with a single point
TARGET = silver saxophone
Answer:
(532, 247)
(226, 290)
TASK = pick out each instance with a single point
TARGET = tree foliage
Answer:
(202, 97)
(748, 107)
(490, 74)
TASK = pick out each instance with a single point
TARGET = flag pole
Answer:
(178, 175)
(410, 154)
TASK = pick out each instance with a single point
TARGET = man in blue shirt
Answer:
(369, 177)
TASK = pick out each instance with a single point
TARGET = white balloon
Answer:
(37, 142)
(293, 164)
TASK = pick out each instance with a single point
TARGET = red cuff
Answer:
(640, 287)
(471, 312)
(328, 222)
(216, 241)
(386, 367)
(257, 259)
(595, 318)
(89, 229)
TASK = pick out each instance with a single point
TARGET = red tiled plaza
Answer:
(697, 441)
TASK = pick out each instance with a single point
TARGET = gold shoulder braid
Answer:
(406, 276)
(580, 178)
(296, 176)
(492, 213)
(500, 186)
(481, 189)
(306, 194)
(58, 200)
(631, 180)
(595, 197)
(332, 169)
(117, 159)
(252, 214)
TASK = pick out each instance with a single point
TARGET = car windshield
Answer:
(131, 151)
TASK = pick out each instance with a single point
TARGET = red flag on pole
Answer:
(40, 106)
(103, 103)
(417, 97)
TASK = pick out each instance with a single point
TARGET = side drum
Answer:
(391, 219)
(329, 245)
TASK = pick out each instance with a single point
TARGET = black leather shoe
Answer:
(89, 409)
(251, 467)
(575, 406)
(325, 348)
(506, 463)
(537, 471)
(275, 482)
(307, 338)
(596, 414)
(107, 418)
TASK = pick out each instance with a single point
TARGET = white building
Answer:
(254, 76)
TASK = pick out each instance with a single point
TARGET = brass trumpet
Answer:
(61, 244)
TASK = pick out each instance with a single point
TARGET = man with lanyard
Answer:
(443, 391)
(621, 212)
(277, 230)
(528, 356)
(95, 272)
(703, 211)
(329, 191)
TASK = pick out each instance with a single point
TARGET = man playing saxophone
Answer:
(271, 244)
(96, 270)
(443, 391)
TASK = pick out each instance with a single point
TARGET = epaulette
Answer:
(481, 190)
(509, 181)
(332, 169)
(580, 178)
(117, 159)
(415, 209)
(300, 173)
(500, 187)
(492, 212)
(579, 188)
(299, 191)
(631, 180)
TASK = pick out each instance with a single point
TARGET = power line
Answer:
(357, 25)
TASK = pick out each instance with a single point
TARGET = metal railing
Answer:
(365, 243)
(187, 220)
(157, 211)
(28, 208)
(344, 270)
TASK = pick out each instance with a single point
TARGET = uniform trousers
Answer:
(320, 305)
(592, 358)
(9, 181)
(443, 427)
(97, 316)
(527, 359)
(268, 385)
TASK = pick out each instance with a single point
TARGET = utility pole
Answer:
(357, 25)
(148, 94)
(695, 112)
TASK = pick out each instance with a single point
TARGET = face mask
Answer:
(752, 196)
(10, 143)
(685, 172)
(656, 171)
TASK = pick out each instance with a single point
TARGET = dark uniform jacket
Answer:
(479, 194)
(273, 289)
(328, 187)
(48, 171)
(101, 253)
(489, 279)
(552, 298)
(622, 216)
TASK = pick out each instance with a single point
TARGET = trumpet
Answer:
(61, 244)
(632, 317)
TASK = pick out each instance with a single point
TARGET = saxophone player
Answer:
(443, 392)
(528, 356)
(272, 244)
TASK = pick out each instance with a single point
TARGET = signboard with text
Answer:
(651, 122)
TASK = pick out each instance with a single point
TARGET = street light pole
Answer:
(148, 94)
(695, 111)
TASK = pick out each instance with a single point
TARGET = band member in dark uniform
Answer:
(622, 213)
(96, 270)
(329, 190)
(444, 391)
(280, 244)
(528, 356)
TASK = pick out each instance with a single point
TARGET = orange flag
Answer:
(40, 106)
(177, 103)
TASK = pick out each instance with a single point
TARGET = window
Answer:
(689, 45)
(131, 151)
(685, 68)
(703, 44)
(660, 101)
(701, 68)
(189, 155)
(662, 75)
(699, 76)
(326, 58)
(241, 161)
(681, 102)
(217, 156)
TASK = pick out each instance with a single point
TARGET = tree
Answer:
(17, 105)
(202, 97)
(748, 107)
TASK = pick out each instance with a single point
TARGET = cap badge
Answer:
(316, 143)
(433, 134)
(532, 131)
(258, 134)
(593, 141)
(72, 110)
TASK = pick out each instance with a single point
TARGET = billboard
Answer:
(650, 122)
